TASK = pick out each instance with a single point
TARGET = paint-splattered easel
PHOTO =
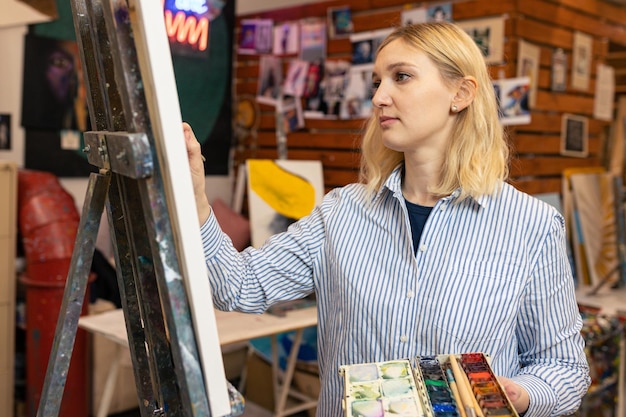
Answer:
(144, 182)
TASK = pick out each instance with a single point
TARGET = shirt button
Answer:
(422, 248)
(403, 339)
(442, 208)
(409, 294)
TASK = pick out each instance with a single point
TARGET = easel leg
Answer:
(73, 296)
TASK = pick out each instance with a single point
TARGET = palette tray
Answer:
(380, 389)
(426, 386)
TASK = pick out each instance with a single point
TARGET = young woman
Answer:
(433, 252)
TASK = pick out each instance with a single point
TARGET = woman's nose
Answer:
(381, 97)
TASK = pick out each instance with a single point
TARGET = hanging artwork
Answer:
(53, 89)
(270, 79)
(339, 22)
(256, 36)
(605, 93)
(5, 132)
(286, 38)
(574, 136)
(441, 12)
(581, 61)
(559, 70)
(513, 97)
(488, 33)
(295, 82)
(414, 15)
(357, 96)
(528, 56)
(279, 193)
(365, 45)
(313, 40)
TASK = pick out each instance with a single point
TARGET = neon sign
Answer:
(187, 22)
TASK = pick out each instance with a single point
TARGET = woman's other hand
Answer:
(516, 393)
(196, 165)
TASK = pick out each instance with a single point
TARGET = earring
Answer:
(454, 108)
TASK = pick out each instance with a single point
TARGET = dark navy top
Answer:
(417, 217)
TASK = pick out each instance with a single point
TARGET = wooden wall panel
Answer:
(536, 163)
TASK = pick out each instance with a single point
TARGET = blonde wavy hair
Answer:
(478, 155)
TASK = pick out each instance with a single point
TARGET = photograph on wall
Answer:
(330, 94)
(296, 78)
(441, 12)
(605, 93)
(291, 114)
(5, 132)
(528, 56)
(559, 70)
(256, 36)
(357, 102)
(512, 95)
(488, 33)
(280, 192)
(270, 79)
(581, 60)
(286, 38)
(339, 22)
(365, 44)
(314, 74)
(574, 136)
(313, 40)
(414, 15)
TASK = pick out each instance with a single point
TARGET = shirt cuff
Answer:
(542, 396)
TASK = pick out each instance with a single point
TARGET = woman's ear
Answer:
(465, 93)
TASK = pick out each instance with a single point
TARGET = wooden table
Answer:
(232, 328)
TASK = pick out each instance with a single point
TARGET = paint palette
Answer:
(428, 386)
(380, 389)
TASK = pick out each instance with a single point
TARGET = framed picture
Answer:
(441, 12)
(581, 61)
(5, 132)
(574, 135)
(513, 100)
(287, 38)
(270, 79)
(528, 56)
(365, 45)
(256, 36)
(339, 22)
(559, 70)
(413, 16)
(488, 33)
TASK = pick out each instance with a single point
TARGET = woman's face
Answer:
(411, 99)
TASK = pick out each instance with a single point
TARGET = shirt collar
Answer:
(394, 185)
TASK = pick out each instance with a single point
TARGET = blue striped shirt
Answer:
(490, 275)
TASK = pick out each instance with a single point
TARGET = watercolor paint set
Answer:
(427, 386)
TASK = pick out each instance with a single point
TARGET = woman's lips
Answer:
(386, 121)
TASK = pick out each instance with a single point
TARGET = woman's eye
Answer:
(375, 85)
(401, 76)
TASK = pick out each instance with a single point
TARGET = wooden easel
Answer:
(143, 180)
